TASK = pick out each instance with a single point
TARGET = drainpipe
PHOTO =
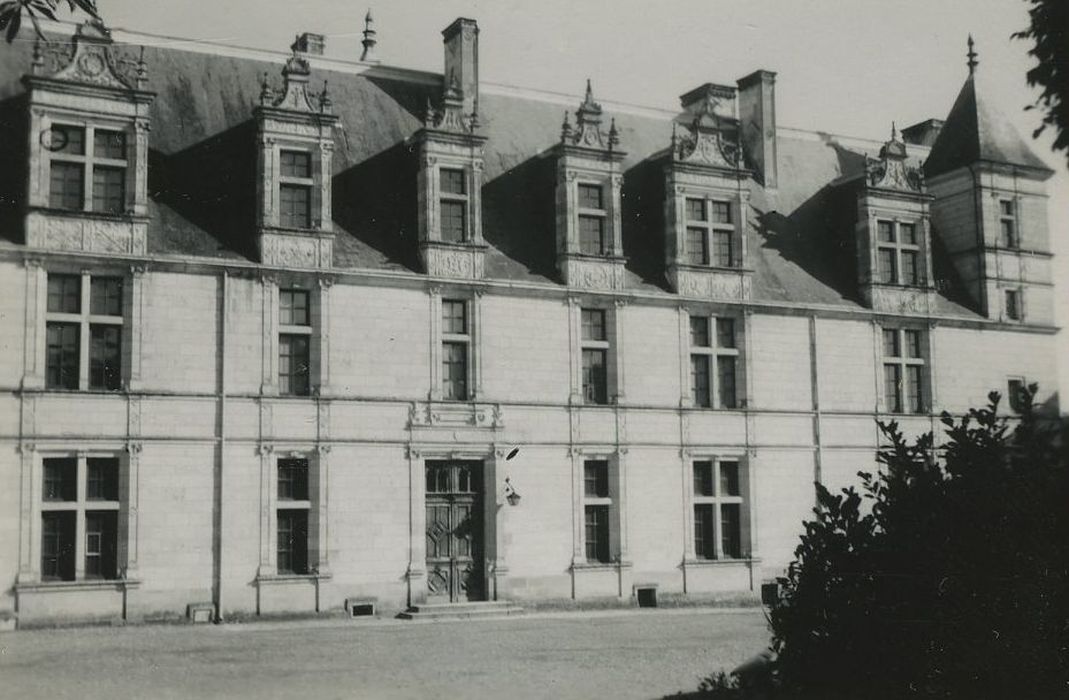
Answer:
(217, 535)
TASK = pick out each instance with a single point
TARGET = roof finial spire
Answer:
(589, 91)
(894, 131)
(972, 56)
(369, 40)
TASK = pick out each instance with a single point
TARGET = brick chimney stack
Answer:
(757, 123)
(462, 60)
(309, 43)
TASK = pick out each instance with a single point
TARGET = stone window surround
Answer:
(318, 457)
(1005, 305)
(714, 352)
(617, 502)
(614, 360)
(610, 181)
(431, 184)
(318, 288)
(739, 201)
(709, 227)
(743, 393)
(320, 150)
(31, 499)
(1012, 219)
(747, 524)
(37, 316)
(472, 299)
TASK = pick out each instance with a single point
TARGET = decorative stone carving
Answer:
(593, 273)
(454, 261)
(295, 94)
(706, 141)
(73, 232)
(441, 414)
(587, 132)
(890, 170)
(90, 59)
(450, 115)
(296, 250)
(701, 283)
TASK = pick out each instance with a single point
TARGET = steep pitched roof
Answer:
(976, 130)
(203, 146)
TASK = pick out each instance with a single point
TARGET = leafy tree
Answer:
(11, 12)
(1049, 29)
(954, 582)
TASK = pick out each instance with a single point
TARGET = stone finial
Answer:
(369, 42)
(890, 170)
(295, 94)
(614, 135)
(587, 130)
(971, 55)
(266, 93)
(325, 102)
(565, 129)
(141, 73)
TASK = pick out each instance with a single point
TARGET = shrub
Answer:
(946, 576)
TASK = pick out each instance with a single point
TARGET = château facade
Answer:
(282, 332)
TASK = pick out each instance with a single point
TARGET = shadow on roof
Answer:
(12, 179)
(519, 218)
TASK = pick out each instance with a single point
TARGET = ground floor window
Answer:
(718, 509)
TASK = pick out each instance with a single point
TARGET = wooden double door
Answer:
(454, 502)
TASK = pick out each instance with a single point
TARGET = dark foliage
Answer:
(953, 582)
(1049, 29)
(11, 12)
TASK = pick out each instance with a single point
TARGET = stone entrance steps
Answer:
(462, 611)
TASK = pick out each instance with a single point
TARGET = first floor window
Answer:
(292, 541)
(65, 186)
(109, 190)
(725, 371)
(455, 371)
(903, 370)
(1013, 304)
(699, 380)
(595, 384)
(718, 509)
(62, 355)
(84, 314)
(722, 249)
(293, 364)
(697, 248)
(105, 357)
(79, 504)
(714, 357)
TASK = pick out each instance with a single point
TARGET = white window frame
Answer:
(1012, 219)
(88, 160)
(318, 331)
(318, 547)
(85, 320)
(898, 248)
(710, 228)
(311, 183)
(602, 214)
(713, 352)
(716, 501)
(472, 339)
(903, 362)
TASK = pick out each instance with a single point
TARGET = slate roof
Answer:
(976, 130)
(201, 185)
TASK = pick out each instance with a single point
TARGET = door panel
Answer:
(454, 531)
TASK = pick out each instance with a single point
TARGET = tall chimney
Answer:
(462, 60)
(757, 122)
(309, 43)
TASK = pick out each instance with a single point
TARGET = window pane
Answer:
(1006, 207)
(699, 331)
(892, 387)
(592, 235)
(725, 367)
(293, 307)
(914, 398)
(730, 541)
(909, 267)
(703, 478)
(293, 479)
(594, 384)
(292, 542)
(109, 144)
(596, 478)
(729, 479)
(293, 365)
(68, 139)
(699, 380)
(101, 544)
(453, 221)
(907, 234)
(455, 371)
(913, 343)
(593, 324)
(885, 231)
(66, 188)
(57, 546)
(105, 357)
(697, 249)
(722, 212)
(890, 342)
(105, 296)
(64, 294)
(109, 189)
(454, 317)
(725, 332)
(590, 197)
(1015, 393)
(1009, 233)
(722, 249)
(60, 479)
(887, 270)
(102, 479)
(295, 205)
(61, 362)
(696, 209)
(597, 533)
(295, 164)
(453, 181)
(704, 542)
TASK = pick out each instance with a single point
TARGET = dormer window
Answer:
(898, 253)
(82, 179)
(295, 189)
(454, 205)
(710, 233)
(591, 219)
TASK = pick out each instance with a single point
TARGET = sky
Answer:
(844, 67)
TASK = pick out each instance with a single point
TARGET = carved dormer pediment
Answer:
(709, 139)
(90, 58)
(587, 132)
(891, 172)
(450, 116)
(295, 95)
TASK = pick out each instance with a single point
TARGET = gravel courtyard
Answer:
(633, 654)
